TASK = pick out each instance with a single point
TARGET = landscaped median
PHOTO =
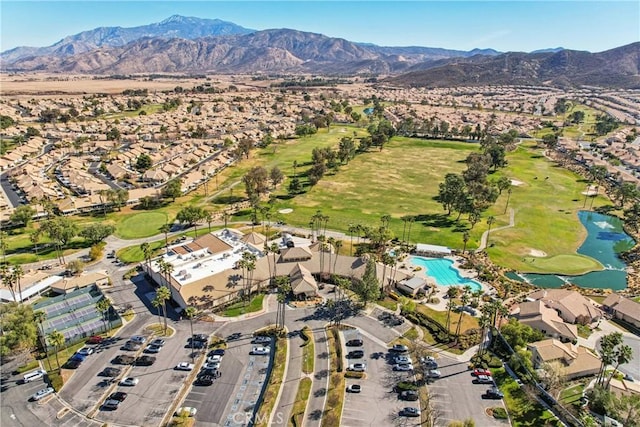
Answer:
(335, 395)
(274, 382)
(300, 404)
(308, 350)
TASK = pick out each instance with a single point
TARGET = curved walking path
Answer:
(485, 235)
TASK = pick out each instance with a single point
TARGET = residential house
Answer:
(576, 361)
(623, 308)
(546, 320)
(571, 306)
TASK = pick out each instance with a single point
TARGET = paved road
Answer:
(9, 193)
(292, 380)
(320, 386)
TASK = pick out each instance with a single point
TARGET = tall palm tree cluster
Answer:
(11, 276)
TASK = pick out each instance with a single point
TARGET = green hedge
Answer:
(499, 413)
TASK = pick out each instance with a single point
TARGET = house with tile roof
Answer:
(546, 320)
(576, 361)
(571, 306)
(623, 308)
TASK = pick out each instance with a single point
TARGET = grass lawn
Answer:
(584, 331)
(133, 253)
(571, 394)
(388, 303)
(242, 307)
(468, 322)
(582, 130)
(523, 410)
(143, 224)
(274, 382)
(600, 298)
(302, 396)
(308, 351)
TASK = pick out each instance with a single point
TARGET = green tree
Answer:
(451, 191)
(143, 162)
(519, 335)
(164, 294)
(96, 233)
(113, 134)
(19, 330)
(368, 288)
(23, 215)
(104, 307)
(166, 228)
(190, 313)
(191, 215)
(276, 176)
(172, 189)
(57, 340)
(608, 345)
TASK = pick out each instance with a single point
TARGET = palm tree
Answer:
(191, 312)
(274, 249)
(7, 279)
(39, 317)
(338, 244)
(166, 228)
(205, 175)
(57, 340)
(34, 237)
(465, 239)
(284, 287)
(508, 197)
(489, 223)
(164, 294)
(411, 219)
(103, 306)
(485, 322)
(330, 246)
(450, 306)
(464, 299)
(157, 304)
(352, 230)
(3, 245)
(208, 216)
(17, 274)
(146, 251)
(622, 354)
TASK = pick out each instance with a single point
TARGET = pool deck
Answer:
(441, 291)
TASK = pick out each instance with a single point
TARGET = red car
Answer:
(481, 371)
(96, 339)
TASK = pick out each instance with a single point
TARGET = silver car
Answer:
(42, 393)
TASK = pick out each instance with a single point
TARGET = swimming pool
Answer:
(442, 270)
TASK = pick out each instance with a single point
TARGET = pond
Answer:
(605, 239)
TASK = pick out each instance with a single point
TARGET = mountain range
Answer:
(194, 45)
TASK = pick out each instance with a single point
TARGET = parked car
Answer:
(355, 354)
(483, 379)
(402, 359)
(261, 339)
(42, 393)
(354, 388)
(480, 371)
(234, 336)
(118, 395)
(216, 358)
(158, 341)
(85, 351)
(410, 412)
(138, 339)
(354, 343)
(110, 372)
(217, 352)
(494, 393)
(403, 367)
(153, 348)
(145, 361)
(131, 346)
(95, 339)
(79, 357)
(205, 380)
(184, 366)
(72, 364)
(123, 359)
(260, 351)
(111, 404)
(212, 365)
(410, 395)
(399, 348)
(196, 344)
(186, 411)
(129, 381)
(357, 367)
(433, 373)
(212, 372)
(200, 337)
(32, 376)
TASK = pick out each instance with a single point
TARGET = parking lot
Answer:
(377, 403)
(147, 402)
(230, 400)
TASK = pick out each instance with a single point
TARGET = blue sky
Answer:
(502, 25)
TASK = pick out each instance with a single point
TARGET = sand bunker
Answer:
(592, 191)
(516, 183)
(285, 211)
(537, 253)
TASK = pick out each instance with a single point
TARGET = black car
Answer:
(145, 361)
(234, 336)
(119, 396)
(355, 354)
(196, 344)
(212, 372)
(217, 352)
(494, 393)
(110, 372)
(410, 395)
(111, 404)
(200, 337)
(205, 380)
(354, 343)
(124, 359)
(72, 364)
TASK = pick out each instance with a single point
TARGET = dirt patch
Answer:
(285, 211)
(516, 183)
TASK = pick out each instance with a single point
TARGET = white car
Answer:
(433, 373)
(212, 365)
(214, 358)
(184, 366)
(403, 367)
(138, 339)
(129, 381)
(186, 411)
(358, 367)
(42, 393)
(260, 351)
(403, 359)
(85, 351)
